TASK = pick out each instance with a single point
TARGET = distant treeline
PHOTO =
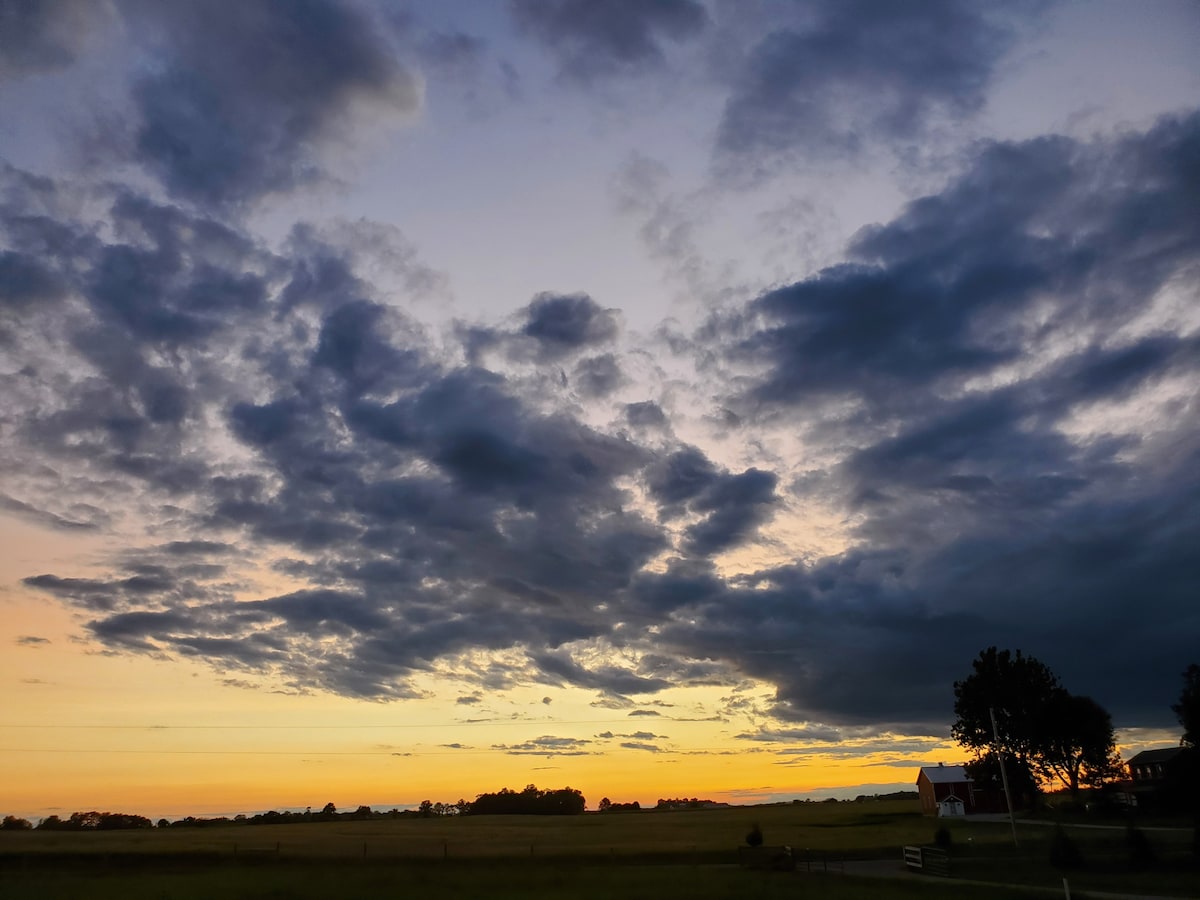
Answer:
(686, 803)
(528, 802)
(896, 795)
(90, 821)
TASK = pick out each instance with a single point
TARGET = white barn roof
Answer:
(945, 774)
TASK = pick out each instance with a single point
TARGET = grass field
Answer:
(650, 854)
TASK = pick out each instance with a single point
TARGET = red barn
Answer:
(946, 790)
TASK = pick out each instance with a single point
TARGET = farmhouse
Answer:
(946, 790)
(1159, 777)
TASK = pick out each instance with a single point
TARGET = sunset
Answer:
(404, 401)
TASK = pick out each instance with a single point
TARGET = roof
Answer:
(1159, 755)
(944, 774)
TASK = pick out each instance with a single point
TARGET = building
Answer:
(1162, 778)
(946, 790)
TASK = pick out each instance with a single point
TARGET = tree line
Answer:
(531, 801)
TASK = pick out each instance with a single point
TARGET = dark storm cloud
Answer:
(241, 104)
(596, 39)
(598, 376)
(848, 73)
(945, 291)
(38, 37)
(646, 414)
(129, 335)
(562, 324)
(442, 511)
(732, 506)
(1017, 510)
(992, 393)
(46, 517)
(607, 678)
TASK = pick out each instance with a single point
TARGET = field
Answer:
(650, 854)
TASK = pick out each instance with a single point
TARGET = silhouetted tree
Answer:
(1188, 707)
(1064, 852)
(1056, 734)
(1080, 747)
(605, 803)
(12, 823)
(1022, 783)
(531, 801)
(1018, 688)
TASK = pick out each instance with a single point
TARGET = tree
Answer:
(605, 803)
(1017, 688)
(1188, 707)
(12, 823)
(1053, 733)
(1080, 748)
(1022, 782)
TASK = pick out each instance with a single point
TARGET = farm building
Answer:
(946, 790)
(1162, 778)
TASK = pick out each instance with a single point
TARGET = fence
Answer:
(927, 860)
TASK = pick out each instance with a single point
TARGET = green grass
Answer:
(629, 855)
(865, 829)
(496, 881)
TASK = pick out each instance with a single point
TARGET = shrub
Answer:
(754, 837)
(941, 838)
(1141, 854)
(1064, 852)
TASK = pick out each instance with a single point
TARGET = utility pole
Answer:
(1003, 774)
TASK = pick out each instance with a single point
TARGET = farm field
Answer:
(674, 854)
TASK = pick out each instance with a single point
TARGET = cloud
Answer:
(36, 38)
(732, 506)
(591, 40)
(846, 74)
(548, 746)
(30, 640)
(240, 105)
(47, 518)
(641, 745)
(971, 381)
(562, 324)
(993, 395)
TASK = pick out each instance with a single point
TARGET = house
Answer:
(1151, 767)
(1161, 778)
(946, 790)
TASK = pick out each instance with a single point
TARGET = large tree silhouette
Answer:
(1057, 735)
(1188, 707)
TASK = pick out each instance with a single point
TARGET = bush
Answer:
(754, 837)
(941, 838)
(1064, 852)
(1141, 854)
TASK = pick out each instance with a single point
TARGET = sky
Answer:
(402, 401)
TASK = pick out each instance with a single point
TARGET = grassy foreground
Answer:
(865, 830)
(496, 881)
(650, 854)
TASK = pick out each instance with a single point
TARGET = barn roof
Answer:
(945, 774)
